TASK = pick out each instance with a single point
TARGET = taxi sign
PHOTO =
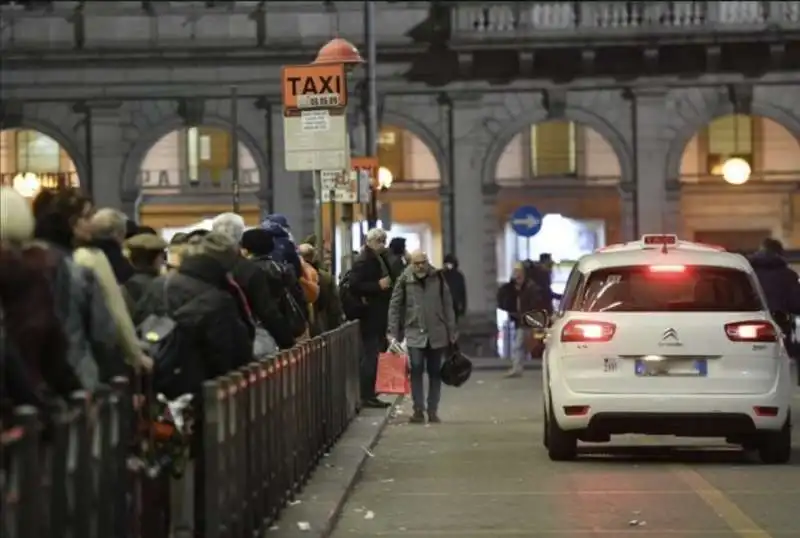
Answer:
(660, 239)
(308, 87)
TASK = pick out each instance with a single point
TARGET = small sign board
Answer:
(350, 187)
(526, 221)
(314, 119)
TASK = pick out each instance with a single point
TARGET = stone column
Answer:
(627, 191)
(649, 117)
(446, 208)
(106, 150)
(475, 233)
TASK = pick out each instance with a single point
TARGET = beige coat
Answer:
(95, 260)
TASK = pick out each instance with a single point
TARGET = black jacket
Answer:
(200, 301)
(262, 298)
(458, 289)
(367, 270)
(123, 269)
(779, 282)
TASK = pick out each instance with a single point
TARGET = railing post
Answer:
(29, 480)
(208, 518)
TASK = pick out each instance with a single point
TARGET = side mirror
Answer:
(538, 319)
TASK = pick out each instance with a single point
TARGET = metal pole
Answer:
(371, 116)
(88, 185)
(332, 211)
(318, 213)
(235, 148)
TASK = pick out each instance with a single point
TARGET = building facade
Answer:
(621, 113)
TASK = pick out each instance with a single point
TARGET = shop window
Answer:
(553, 151)
(729, 137)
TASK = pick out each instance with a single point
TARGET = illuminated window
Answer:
(727, 137)
(207, 148)
(37, 152)
(553, 149)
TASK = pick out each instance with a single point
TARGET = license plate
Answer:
(671, 368)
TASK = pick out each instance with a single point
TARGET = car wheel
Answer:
(561, 445)
(776, 447)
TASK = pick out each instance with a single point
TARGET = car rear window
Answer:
(690, 288)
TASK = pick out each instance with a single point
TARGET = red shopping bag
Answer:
(392, 375)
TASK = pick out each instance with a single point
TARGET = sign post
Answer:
(315, 125)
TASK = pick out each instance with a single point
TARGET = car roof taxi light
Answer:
(659, 239)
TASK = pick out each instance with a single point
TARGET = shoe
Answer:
(513, 373)
(433, 418)
(375, 403)
(417, 418)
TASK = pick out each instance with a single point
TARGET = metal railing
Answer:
(585, 20)
(203, 181)
(262, 431)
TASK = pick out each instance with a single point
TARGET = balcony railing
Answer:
(205, 181)
(559, 182)
(582, 20)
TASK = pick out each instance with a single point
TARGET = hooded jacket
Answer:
(285, 250)
(779, 282)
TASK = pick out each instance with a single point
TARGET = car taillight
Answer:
(667, 268)
(751, 331)
(588, 331)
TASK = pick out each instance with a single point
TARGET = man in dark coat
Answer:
(108, 233)
(456, 283)
(398, 255)
(200, 299)
(779, 282)
(372, 279)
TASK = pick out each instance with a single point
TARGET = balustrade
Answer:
(581, 19)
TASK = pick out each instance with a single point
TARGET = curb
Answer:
(333, 515)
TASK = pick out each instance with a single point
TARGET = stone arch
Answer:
(718, 108)
(136, 156)
(65, 141)
(579, 115)
(421, 131)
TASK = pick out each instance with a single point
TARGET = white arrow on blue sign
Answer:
(526, 221)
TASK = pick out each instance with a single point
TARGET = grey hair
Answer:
(376, 234)
(229, 224)
(109, 223)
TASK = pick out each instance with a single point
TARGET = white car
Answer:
(665, 337)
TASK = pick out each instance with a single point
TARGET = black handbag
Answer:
(456, 368)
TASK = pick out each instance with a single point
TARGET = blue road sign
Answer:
(526, 221)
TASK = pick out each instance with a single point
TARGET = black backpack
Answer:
(282, 278)
(353, 306)
(169, 347)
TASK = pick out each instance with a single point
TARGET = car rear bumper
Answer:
(688, 415)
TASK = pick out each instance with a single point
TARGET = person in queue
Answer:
(457, 284)
(421, 312)
(518, 296)
(34, 366)
(254, 283)
(285, 250)
(327, 308)
(146, 253)
(372, 280)
(108, 235)
(93, 310)
(398, 255)
(779, 282)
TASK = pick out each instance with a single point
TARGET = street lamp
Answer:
(736, 171)
(385, 178)
(27, 184)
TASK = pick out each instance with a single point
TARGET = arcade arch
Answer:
(739, 212)
(570, 172)
(31, 160)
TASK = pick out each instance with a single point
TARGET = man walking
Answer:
(371, 280)
(421, 312)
